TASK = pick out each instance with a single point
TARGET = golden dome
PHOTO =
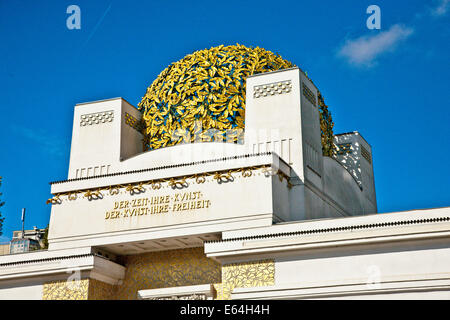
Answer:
(203, 95)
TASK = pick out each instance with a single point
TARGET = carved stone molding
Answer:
(96, 118)
(271, 89)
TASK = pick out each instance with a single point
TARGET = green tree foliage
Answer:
(326, 128)
(1, 205)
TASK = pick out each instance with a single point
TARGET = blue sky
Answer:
(391, 84)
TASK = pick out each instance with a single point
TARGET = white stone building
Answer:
(270, 218)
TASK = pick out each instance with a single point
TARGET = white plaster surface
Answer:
(395, 261)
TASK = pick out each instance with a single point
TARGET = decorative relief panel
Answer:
(344, 148)
(165, 269)
(96, 118)
(179, 182)
(133, 122)
(366, 154)
(83, 289)
(272, 89)
(99, 290)
(92, 171)
(66, 290)
(247, 274)
(168, 269)
(308, 94)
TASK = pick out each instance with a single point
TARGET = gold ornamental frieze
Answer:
(174, 183)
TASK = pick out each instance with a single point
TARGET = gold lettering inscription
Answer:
(178, 202)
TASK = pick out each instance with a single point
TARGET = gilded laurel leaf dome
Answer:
(202, 96)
